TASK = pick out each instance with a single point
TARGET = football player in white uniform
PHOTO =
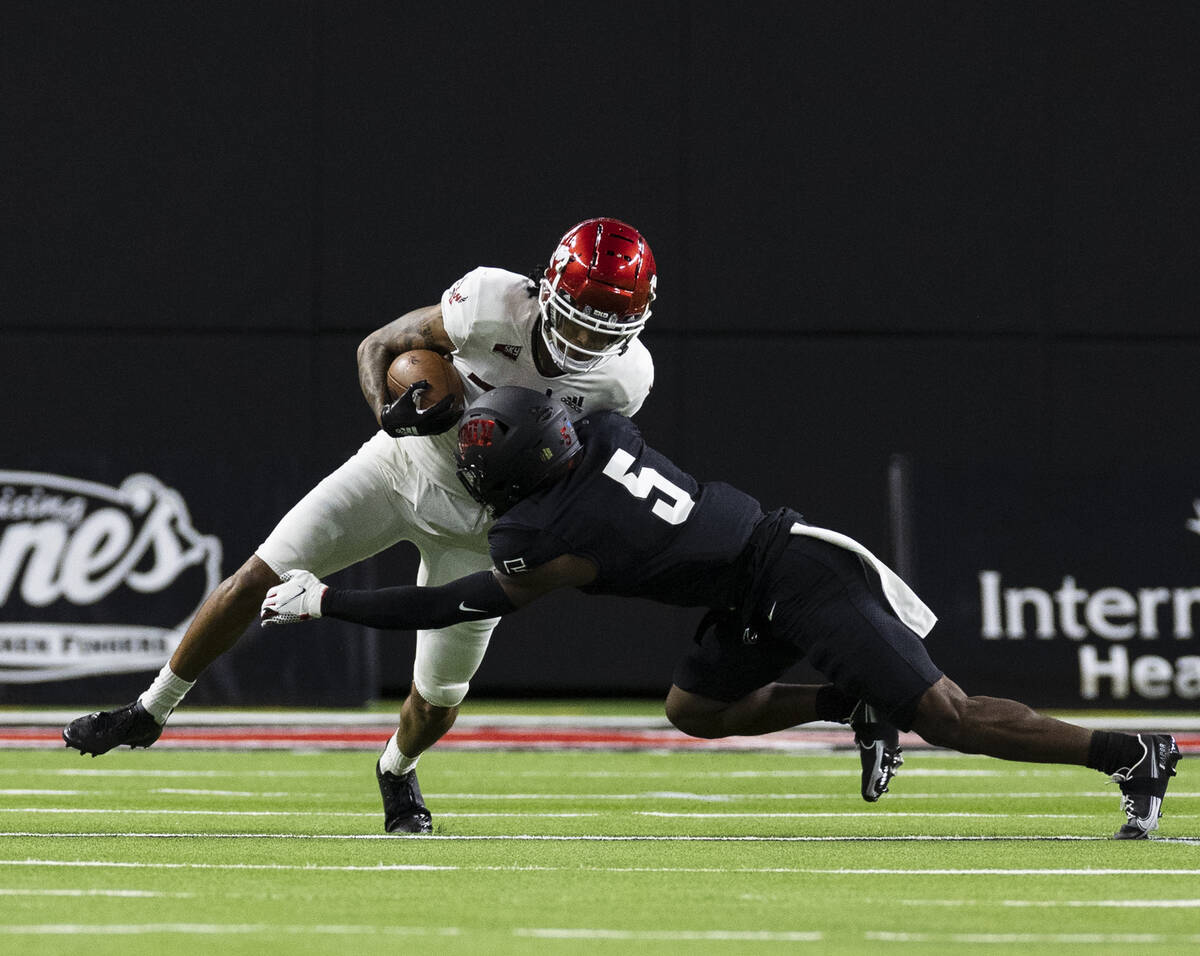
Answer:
(571, 333)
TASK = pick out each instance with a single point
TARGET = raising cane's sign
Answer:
(95, 579)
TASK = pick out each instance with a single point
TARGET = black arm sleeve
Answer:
(473, 598)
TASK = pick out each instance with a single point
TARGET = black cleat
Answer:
(98, 733)
(403, 806)
(1144, 785)
(878, 749)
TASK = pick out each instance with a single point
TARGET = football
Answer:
(410, 367)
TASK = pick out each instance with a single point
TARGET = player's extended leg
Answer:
(997, 727)
(1141, 764)
(347, 517)
(221, 620)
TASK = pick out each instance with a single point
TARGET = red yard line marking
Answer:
(484, 737)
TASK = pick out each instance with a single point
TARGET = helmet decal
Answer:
(478, 432)
(562, 255)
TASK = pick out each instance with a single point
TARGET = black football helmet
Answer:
(513, 441)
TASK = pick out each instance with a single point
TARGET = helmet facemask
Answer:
(581, 339)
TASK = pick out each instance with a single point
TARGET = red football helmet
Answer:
(595, 296)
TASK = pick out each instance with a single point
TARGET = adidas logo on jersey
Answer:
(508, 351)
(573, 402)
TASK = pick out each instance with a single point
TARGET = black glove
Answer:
(402, 418)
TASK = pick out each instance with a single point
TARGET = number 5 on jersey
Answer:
(647, 480)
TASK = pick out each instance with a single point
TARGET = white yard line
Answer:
(405, 867)
(244, 929)
(685, 795)
(24, 792)
(1025, 939)
(1112, 794)
(632, 935)
(120, 894)
(219, 929)
(573, 838)
(570, 933)
(1108, 904)
(567, 814)
(186, 774)
(1047, 904)
(171, 811)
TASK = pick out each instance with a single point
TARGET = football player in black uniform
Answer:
(593, 507)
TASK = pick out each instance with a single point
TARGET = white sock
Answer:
(164, 695)
(393, 761)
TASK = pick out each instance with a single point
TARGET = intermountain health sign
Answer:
(1064, 589)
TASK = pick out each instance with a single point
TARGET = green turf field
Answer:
(605, 852)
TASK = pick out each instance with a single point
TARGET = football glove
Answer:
(297, 597)
(402, 418)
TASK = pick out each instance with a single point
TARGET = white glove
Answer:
(297, 597)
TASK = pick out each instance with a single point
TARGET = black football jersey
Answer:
(651, 529)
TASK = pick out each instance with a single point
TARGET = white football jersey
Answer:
(491, 317)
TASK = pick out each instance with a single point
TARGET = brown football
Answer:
(410, 367)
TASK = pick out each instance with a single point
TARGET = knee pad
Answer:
(447, 660)
(441, 695)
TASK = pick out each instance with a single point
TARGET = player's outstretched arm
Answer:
(300, 596)
(420, 329)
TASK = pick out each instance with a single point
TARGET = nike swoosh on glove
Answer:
(402, 418)
(297, 597)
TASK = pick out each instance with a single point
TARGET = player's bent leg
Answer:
(767, 709)
(446, 659)
(445, 662)
(422, 724)
(696, 716)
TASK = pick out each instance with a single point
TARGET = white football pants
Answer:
(376, 499)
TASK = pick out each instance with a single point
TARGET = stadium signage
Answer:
(95, 579)
(1112, 614)
(1072, 586)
